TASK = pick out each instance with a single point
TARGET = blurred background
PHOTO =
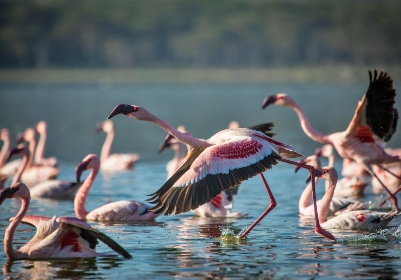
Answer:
(196, 63)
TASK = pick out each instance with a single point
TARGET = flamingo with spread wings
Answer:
(63, 237)
(217, 164)
(373, 123)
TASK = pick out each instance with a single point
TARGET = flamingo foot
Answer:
(325, 233)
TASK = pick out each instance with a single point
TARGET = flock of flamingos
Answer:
(204, 175)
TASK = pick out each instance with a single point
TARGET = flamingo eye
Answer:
(135, 108)
(279, 97)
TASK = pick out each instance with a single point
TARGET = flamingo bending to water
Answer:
(219, 206)
(63, 237)
(355, 180)
(41, 129)
(113, 162)
(123, 210)
(217, 164)
(7, 169)
(374, 123)
(54, 189)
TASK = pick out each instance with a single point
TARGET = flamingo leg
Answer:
(394, 193)
(311, 170)
(273, 204)
(385, 169)
(391, 196)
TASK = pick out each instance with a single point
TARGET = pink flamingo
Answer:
(7, 169)
(55, 189)
(63, 237)
(35, 174)
(352, 184)
(219, 163)
(374, 122)
(219, 206)
(337, 205)
(123, 210)
(41, 129)
(359, 219)
(113, 162)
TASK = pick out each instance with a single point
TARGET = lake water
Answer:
(183, 246)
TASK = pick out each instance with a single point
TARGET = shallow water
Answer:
(183, 246)
(280, 247)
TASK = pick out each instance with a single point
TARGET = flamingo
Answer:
(373, 123)
(352, 184)
(35, 174)
(41, 129)
(219, 206)
(113, 162)
(359, 219)
(337, 205)
(390, 174)
(123, 210)
(63, 237)
(55, 189)
(219, 163)
(7, 169)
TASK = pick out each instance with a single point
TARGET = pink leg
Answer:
(273, 204)
(391, 195)
(311, 169)
(384, 201)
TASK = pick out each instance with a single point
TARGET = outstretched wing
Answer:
(265, 128)
(381, 116)
(89, 233)
(217, 168)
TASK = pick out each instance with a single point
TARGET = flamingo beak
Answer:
(81, 167)
(165, 144)
(121, 109)
(7, 193)
(98, 127)
(303, 161)
(269, 100)
(318, 152)
(15, 151)
(20, 138)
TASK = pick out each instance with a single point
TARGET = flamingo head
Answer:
(310, 160)
(106, 126)
(91, 161)
(327, 173)
(28, 135)
(167, 143)
(4, 134)
(41, 127)
(20, 150)
(324, 151)
(122, 109)
(279, 99)
(17, 190)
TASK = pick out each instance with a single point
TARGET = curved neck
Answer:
(40, 148)
(323, 210)
(307, 128)
(82, 194)
(20, 170)
(4, 151)
(183, 137)
(32, 146)
(304, 200)
(9, 234)
(106, 148)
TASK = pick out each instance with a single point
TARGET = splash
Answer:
(391, 234)
(229, 237)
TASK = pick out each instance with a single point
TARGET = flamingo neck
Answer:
(323, 210)
(9, 234)
(176, 162)
(20, 170)
(32, 145)
(82, 194)
(331, 163)
(306, 127)
(4, 151)
(305, 198)
(40, 148)
(183, 137)
(106, 148)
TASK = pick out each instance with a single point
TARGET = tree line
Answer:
(193, 33)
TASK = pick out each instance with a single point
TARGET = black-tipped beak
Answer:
(7, 193)
(318, 152)
(20, 138)
(269, 100)
(166, 143)
(81, 167)
(303, 161)
(319, 172)
(98, 127)
(121, 109)
(15, 151)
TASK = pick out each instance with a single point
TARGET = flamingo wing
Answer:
(381, 116)
(90, 234)
(265, 128)
(205, 174)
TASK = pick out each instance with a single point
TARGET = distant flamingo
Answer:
(35, 174)
(63, 237)
(390, 175)
(220, 163)
(359, 219)
(123, 210)
(41, 128)
(113, 162)
(337, 205)
(7, 169)
(55, 189)
(352, 184)
(374, 122)
(219, 206)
